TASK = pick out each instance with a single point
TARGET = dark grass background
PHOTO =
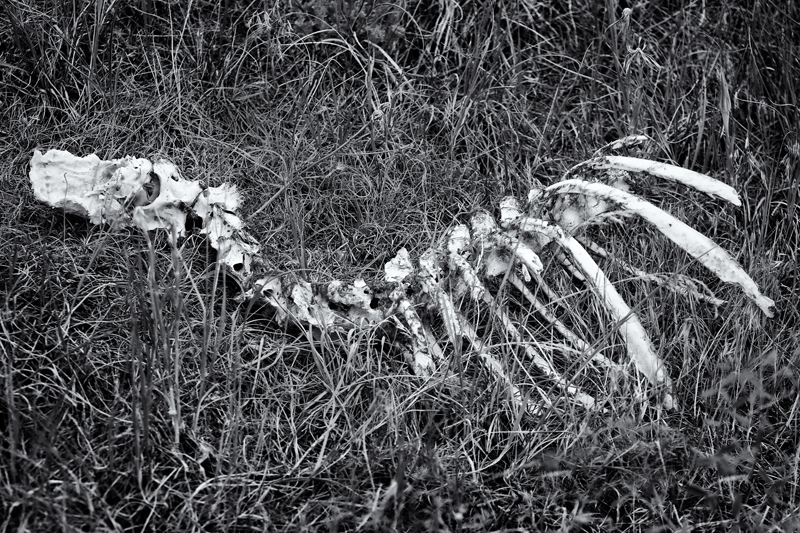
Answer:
(138, 395)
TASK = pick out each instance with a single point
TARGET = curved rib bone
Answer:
(695, 243)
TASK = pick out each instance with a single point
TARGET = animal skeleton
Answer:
(153, 195)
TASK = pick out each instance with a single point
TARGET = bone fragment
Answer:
(89, 186)
(640, 348)
(136, 192)
(421, 348)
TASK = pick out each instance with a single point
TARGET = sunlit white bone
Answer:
(698, 181)
(167, 204)
(488, 229)
(399, 267)
(695, 243)
(639, 347)
(89, 186)
(425, 351)
(429, 276)
(133, 191)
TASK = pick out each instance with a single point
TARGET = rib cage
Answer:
(451, 281)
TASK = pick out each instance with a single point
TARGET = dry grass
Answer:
(138, 394)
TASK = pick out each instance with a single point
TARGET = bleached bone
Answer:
(102, 191)
(429, 270)
(140, 193)
(487, 232)
(698, 181)
(423, 351)
(638, 344)
(640, 348)
(457, 245)
(128, 191)
(695, 243)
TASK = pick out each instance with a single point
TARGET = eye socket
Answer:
(153, 187)
(150, 190)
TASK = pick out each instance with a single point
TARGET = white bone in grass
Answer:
(695, 243)
(139, 193)
(701, 182)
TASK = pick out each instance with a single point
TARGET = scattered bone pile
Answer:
(449, 281)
